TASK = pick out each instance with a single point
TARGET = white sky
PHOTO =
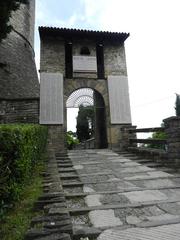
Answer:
(152, 50)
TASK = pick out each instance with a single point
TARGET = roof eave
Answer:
(70, 33)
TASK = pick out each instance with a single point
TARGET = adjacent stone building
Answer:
(19, 85)
(72, 59)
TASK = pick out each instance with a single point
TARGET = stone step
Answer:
(145, 161)
(61, 154)
(153, 165)
(82, 211)
(64, 161)
(160, 222)
(108, 182)
(36, 234)
(66, 170)
(41, 204)
(43, 219)
(166, 232)
(84, 232)
(166, 169)
(71, 184)
(65, 165)
(84, 194)
(48, 196)
(69, 177)
(129, 155)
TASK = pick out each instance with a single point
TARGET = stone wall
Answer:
(52, 55)
(56, 138)
(172, 129)
(114, 59)
(22, 111)
(19, 78)
(23, 21)
(19, 85)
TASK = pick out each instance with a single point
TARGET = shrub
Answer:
(21, 146)
(71, 140)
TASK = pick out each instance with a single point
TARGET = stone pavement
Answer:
(113, 196)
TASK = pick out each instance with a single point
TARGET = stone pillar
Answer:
(125, 135)
(172, 129)
(56, 138)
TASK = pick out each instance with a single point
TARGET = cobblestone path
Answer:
(114, 196)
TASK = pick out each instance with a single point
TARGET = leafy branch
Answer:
(6, 8)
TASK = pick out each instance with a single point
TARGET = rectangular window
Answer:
(68, 59)
(100, 60)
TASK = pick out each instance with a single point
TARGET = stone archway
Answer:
(90, 97)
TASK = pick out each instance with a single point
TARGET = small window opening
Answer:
(85, 51)
(68, 59)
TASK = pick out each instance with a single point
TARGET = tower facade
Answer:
(73, 59)
(19, 85)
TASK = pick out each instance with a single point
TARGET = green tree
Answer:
(157, 136)
(6, 8)
(177, 105)
(85, 123)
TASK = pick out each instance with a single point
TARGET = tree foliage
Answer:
(6, 8)
(177, 105)
(85, 123)
(157, 136)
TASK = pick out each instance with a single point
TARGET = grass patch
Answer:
(17, 220)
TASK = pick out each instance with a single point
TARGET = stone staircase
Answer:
(99, 195)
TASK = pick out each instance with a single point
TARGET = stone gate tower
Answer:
(73, 59)
(19, 85)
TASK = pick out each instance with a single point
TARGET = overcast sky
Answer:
(152, 50)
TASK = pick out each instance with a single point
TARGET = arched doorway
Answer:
(88, 102)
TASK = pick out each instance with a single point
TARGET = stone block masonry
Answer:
(23, 21)
(19, 85)
(172, 129)
(22, 111)
(56, 137)
(18, 75)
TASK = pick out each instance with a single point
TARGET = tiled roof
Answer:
(68, 33)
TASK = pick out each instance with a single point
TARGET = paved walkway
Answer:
(111, 196)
